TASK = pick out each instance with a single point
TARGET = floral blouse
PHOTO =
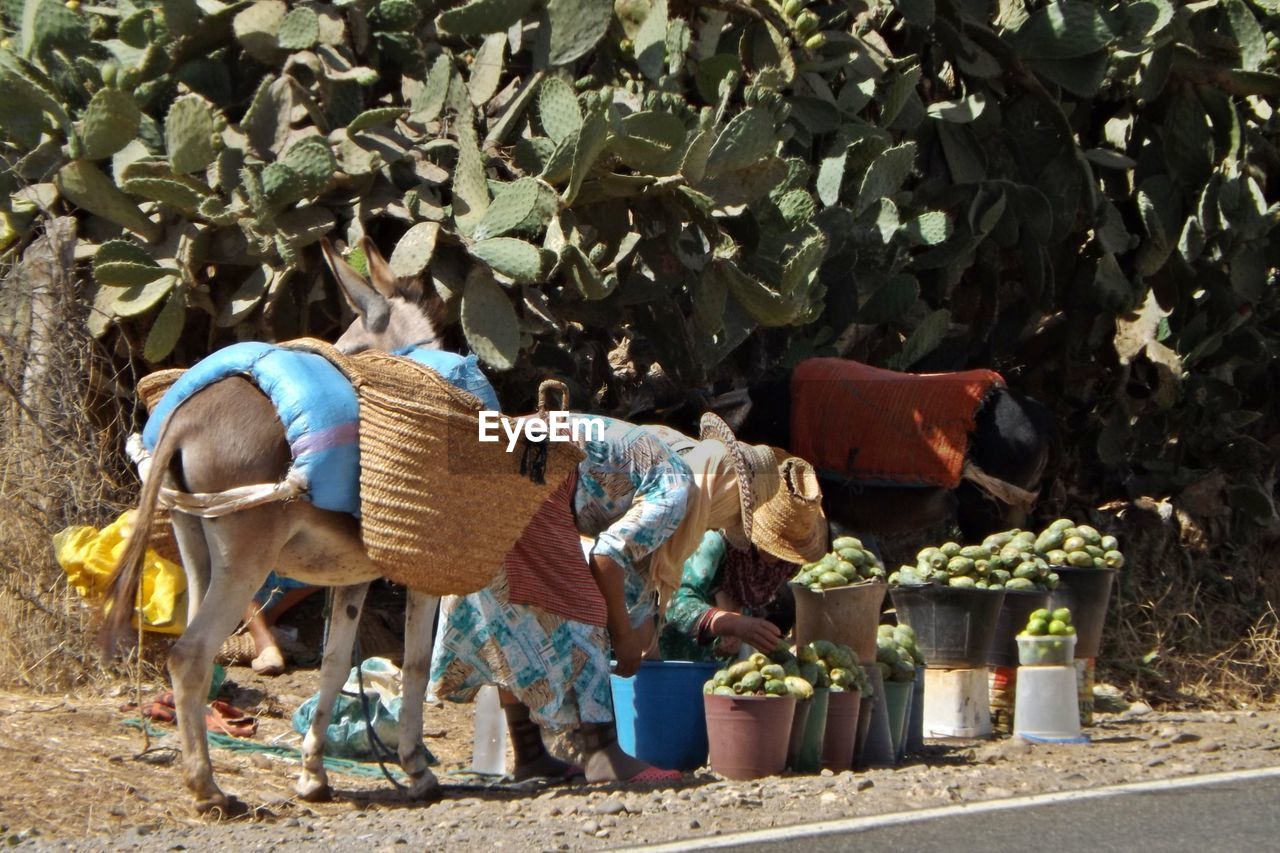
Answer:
(632, 493)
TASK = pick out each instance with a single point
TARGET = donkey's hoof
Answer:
(427, 794)
(314, 790)
(221, 806)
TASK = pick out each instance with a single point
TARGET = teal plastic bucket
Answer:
(659, 713)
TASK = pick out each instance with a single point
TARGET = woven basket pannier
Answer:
(439, 508)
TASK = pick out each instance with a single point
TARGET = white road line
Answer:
(801, 831)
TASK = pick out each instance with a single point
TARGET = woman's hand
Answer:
(627, 650)
(761, 634)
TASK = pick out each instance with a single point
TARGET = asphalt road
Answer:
(1240, 814)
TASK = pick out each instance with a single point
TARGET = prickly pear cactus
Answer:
(645, 196)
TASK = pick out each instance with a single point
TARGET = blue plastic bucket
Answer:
(659, 713)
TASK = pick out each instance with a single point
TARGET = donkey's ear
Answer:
(363, 299)
(383, 279)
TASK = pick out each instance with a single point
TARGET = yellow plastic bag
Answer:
(89, 557)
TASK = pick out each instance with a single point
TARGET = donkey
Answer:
(229, 435)
(1010, 442)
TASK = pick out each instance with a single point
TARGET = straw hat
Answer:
(791, 525)
(758, 475)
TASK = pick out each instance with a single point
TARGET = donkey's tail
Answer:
(123, 594)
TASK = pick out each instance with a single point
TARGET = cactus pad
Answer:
(166, 191)
(516, 259)
(489, 321)
(190, 134)
(526, 204)
(481, 17)
(401, 15)
(84, 185)
(558, 110)
(313, 161)
(110, 123)
(413, 253)
(166, 330)
(576, 27)
(745, 141)
(299, 29)
(256, 28)
(373, 118)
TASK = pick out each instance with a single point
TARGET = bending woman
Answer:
(646, 506)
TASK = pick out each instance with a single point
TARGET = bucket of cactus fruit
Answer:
(838, 598)
(1086, 562)
(750, 709)
(1049, 639)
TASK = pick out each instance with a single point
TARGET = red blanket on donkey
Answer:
(877, 425)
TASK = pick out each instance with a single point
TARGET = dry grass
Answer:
(1193, 622)
(62, 464)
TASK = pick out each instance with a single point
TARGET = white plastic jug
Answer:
(489, 752)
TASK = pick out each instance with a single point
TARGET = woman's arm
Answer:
(627, 647)
(696, 594)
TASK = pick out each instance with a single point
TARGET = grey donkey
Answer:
(228, 435)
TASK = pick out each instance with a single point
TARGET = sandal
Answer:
(223, 717)
(160, 709)
(654, 774)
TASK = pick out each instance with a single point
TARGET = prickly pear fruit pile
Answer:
(1065, 543)
(847, 563)
(1003, 561)
(896, 653)
(775, 674)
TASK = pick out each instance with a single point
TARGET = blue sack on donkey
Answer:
(316, 405)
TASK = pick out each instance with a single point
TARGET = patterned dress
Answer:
(631, 496)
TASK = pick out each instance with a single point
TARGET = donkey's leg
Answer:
(419, 614)
(191, 668)
(344, 617)
(189, 532)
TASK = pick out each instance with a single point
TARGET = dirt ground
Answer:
(72, 778)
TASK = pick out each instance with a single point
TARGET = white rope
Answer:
(1006, 493)
(216, 504)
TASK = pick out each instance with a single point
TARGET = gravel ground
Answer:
(71, 781)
